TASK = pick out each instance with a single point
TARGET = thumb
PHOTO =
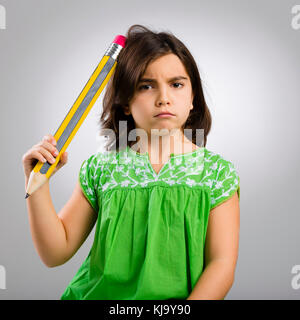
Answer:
(64, 158)
(62, 161)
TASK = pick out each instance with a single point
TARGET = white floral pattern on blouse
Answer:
(202, 168)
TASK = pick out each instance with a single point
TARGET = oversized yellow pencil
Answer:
(78, 112)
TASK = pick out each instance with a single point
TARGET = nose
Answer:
(162, 102)
(162, 98)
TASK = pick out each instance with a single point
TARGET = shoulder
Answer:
(216, 162)
(93, 162)
(104, 169)
(224, 178)
(102, 157)
(101, 161)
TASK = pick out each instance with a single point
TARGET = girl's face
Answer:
(164, 87)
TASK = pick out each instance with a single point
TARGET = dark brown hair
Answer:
(142, 47)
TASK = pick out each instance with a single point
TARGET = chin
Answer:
(164, 130)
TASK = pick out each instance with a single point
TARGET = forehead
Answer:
(168, 65)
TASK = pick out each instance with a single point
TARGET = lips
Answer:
(165, 113)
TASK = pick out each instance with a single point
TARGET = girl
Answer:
(167, 220)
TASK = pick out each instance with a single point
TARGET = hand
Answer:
(43, 151)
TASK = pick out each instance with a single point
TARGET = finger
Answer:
(65, 157)
(35, 154)
(45, 153)
(50, 147)
(50, 139)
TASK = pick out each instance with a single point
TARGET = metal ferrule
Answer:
(113, 51)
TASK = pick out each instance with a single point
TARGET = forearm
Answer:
(46, 228)
(214, 283)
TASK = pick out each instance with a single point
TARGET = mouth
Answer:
(164, 115)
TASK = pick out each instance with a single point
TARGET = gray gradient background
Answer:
(248, 57)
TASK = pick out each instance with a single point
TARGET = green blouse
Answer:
(151, 228)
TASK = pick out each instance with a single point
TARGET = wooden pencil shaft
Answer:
(79, 113)
(75, 117)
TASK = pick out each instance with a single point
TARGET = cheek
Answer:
(140, 107)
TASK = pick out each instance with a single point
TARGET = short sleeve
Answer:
(87, 176)
(225, 184)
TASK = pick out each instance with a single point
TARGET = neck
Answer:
(160, 147)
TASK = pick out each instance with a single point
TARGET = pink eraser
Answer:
(121, 40)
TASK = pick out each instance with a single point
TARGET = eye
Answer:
(179, 84)
(143, 87)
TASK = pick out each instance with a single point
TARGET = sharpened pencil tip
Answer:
(27, 195)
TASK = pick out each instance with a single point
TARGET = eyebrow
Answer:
(170, 80)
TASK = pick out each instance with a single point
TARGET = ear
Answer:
(126, 110)
(192, 102)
